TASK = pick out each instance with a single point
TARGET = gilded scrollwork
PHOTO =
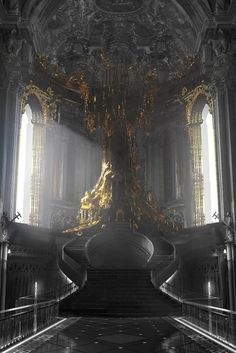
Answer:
(49, 102)
(190, 97)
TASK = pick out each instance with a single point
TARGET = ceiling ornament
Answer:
(80, 32)
(120, 6)
(115, 55)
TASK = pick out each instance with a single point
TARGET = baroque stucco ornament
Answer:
(190, 97)
(120, 6)
(48, 101)
(80, 32)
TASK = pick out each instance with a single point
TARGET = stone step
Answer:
(118, 293)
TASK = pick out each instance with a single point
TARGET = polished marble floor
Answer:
(98, 335)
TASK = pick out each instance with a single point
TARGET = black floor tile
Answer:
(98, 335)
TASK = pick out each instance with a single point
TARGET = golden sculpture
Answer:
(96, 201)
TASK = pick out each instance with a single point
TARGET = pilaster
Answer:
(12, 45)
(219, 65)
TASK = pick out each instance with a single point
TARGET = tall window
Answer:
(30, 161)
(204, 172)
(209, 166)
(24, 172)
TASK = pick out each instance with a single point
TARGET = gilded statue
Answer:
(96, 202)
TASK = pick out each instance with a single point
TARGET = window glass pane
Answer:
(209, 166)
(24, 166)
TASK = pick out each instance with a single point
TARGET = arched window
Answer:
(24, 170)
(210, 194)
(204, 171)
(30, 162)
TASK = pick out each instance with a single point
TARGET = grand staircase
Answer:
(74, 263)
(119, 293)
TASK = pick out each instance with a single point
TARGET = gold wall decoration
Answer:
(33, 90)
(49, 102)
(145, 206)
(190, 98)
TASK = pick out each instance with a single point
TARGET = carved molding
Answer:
(190, 98)
(120, 6)
(49, 102)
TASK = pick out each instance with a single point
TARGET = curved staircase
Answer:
(117, 292)
(73, 261)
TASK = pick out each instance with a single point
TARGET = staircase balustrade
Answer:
(72, 268)
(219, 322)
(54, 294)
(170, 265)
(19, 323)
(182, 296)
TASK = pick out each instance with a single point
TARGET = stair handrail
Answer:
(163, 257)
(21, 322)
(75, 266)
(210, 307)
(158, 278)
(23, 307)
(181, 296)
(219, 322)
(56, 294)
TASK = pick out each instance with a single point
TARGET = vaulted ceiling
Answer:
(74, 34)
(55, 21)
(80, 34)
